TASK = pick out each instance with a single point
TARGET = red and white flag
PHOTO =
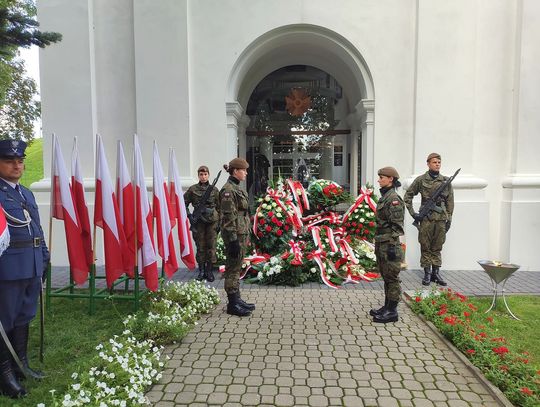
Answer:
(126, 207)
(180, 214)
(107, 217)
(147, 260)
(63, 207)
(4, 232)
(77, 188)
(164, 218)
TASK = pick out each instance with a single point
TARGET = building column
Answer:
(235, 111)
(366, 111)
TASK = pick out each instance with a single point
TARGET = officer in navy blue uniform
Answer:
(21, 268)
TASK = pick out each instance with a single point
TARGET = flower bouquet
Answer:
(324, 193)
(359, 220)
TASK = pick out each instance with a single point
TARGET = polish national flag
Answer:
(147, 260)
(163, 215)
(107, 217)
(180, 214)
(126, 207)
(4, 232)
(63, 207)
(77, 187)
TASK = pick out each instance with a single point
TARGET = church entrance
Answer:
(296, 129)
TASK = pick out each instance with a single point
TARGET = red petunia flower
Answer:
(466, 314)
(527, 391)
(471, 351)
(501, 350)
(490, 319)
(418, 299)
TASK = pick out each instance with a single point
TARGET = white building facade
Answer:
(406, 78)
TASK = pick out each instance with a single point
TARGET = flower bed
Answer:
(127, 364)
(472, 333)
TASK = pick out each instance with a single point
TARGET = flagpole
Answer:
(136, 267)
(94, 267)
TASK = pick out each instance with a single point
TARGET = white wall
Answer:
(165, 70)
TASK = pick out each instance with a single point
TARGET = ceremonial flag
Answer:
(147, 260)
(126, 208)
(180, 214)
(162, 213)
(64, 208)
(4, 232)
(107, 217)
(77, 188)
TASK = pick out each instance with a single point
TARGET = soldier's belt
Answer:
(21, 244)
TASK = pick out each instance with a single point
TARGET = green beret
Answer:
(433, 155)
(389, 172)
(239, 163)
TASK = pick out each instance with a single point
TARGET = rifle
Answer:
(430, 204)
(195, 216)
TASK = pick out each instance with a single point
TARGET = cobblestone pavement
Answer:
(315, 346)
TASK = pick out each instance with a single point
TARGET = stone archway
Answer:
(306, 45)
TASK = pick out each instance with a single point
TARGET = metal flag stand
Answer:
(499, 273)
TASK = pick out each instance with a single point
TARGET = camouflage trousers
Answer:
(205, 235)
(431, 237)
(233, 267)
(389, 269)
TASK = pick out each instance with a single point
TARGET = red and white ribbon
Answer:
(347, 251)
(301, 200)
(317, 257)
(365, 195)
(331, 240)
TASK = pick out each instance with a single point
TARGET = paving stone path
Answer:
(315, 346)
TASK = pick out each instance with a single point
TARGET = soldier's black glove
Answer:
(416, 217)
(448, 224)
(233, 250)
(391, 253)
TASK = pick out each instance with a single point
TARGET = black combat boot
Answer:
(9, 385)
(390, 314)
(436, 277)
(378, 311)
(202, 272)
(427, 276)
(209, 272)
(19, 340)
(234, 307)
(246, 305)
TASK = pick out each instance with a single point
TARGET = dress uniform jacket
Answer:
(23, 263)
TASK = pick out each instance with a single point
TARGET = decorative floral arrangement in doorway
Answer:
(293, 247)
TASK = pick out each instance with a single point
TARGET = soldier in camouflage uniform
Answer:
(205, 230)
(235, 228)
(433, 228)
(389, 218)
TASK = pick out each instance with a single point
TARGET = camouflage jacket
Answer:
(193, 196)
(234, 211)
(389, 217)
(425, 185)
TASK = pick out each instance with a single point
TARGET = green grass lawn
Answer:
(34, 163)
(71, 336)
(523, 335)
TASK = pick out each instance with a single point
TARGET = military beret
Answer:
(239, 163)
(12, 148)
(203, 168)
(433, 155)
(388, 172)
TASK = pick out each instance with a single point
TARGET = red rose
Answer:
(371, 224)
(275, 220)
(354, 224)
(261, 221)
(286, 227)
(366, 232)
(361, 225)
(259, 234)
(279, 223)
(279, 232)
(269, 228)
(270, 213)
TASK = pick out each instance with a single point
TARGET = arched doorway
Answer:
(323, 55)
